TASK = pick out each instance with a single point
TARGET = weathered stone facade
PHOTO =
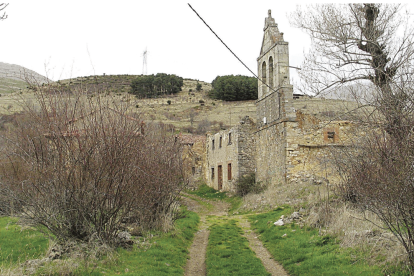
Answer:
(193, 157)
(292, 140)
(230, 155)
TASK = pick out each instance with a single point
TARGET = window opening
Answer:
(331, 136)
(212, 173)
(229, 171)
(219, 177)
(220, 141)
(271, 72)
(264, 78)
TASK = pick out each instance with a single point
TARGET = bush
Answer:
(82, 168)
(247, 184)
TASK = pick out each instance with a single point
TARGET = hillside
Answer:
(185, 111)
(14, 77)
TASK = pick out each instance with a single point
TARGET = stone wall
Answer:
(233, 150)
(270, 152)
(246, 147)
(194, 158)
(268, 109)
(311, 146)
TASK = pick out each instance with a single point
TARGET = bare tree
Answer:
(192, 116)
(203, 126)
(2, 7)
(370, 46)
(81, 167)
(353, 42)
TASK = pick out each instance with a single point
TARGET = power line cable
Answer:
(233, 52)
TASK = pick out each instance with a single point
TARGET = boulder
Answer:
(279, 222)
(295, 215)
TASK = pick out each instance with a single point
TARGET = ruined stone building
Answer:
(291, 138)
(193, 154)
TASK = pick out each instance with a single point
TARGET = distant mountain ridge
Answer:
(17, 72)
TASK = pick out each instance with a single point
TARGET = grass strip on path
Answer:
(302, 251)
(18, 245)
(228, 252)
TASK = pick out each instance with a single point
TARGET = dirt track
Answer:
(196, 265)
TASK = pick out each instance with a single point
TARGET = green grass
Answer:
(303, 252)
(208, 205)
(167, 254)
(209, 193)
(235, 203)
(228, 252)
(17, 245)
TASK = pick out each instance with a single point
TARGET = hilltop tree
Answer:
(234, 88)
(371, 46)
(199, 87)
(149, 86)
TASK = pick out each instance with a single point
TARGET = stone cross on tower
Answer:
(270, 21)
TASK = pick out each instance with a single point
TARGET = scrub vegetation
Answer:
(303, 251)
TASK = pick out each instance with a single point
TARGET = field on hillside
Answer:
(183, 110)
(187, 111)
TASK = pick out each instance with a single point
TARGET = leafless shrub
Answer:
(191, 115)
(379, 177)
(203, 126)
(81, 167)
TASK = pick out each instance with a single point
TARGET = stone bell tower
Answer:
(275, 93)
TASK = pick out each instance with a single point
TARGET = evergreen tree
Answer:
(234, 88)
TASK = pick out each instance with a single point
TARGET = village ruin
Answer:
(292, 136)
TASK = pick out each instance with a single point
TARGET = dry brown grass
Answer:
(296, 194)
(221, 114)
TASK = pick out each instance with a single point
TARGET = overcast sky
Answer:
(63, 39)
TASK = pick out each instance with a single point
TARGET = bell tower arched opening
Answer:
(264, 78)
(271, 72)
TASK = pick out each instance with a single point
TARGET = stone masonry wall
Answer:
(270, 152)
(246, 147)
(221, 156)
(193, 154)
(238, 152)
(311, 145)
